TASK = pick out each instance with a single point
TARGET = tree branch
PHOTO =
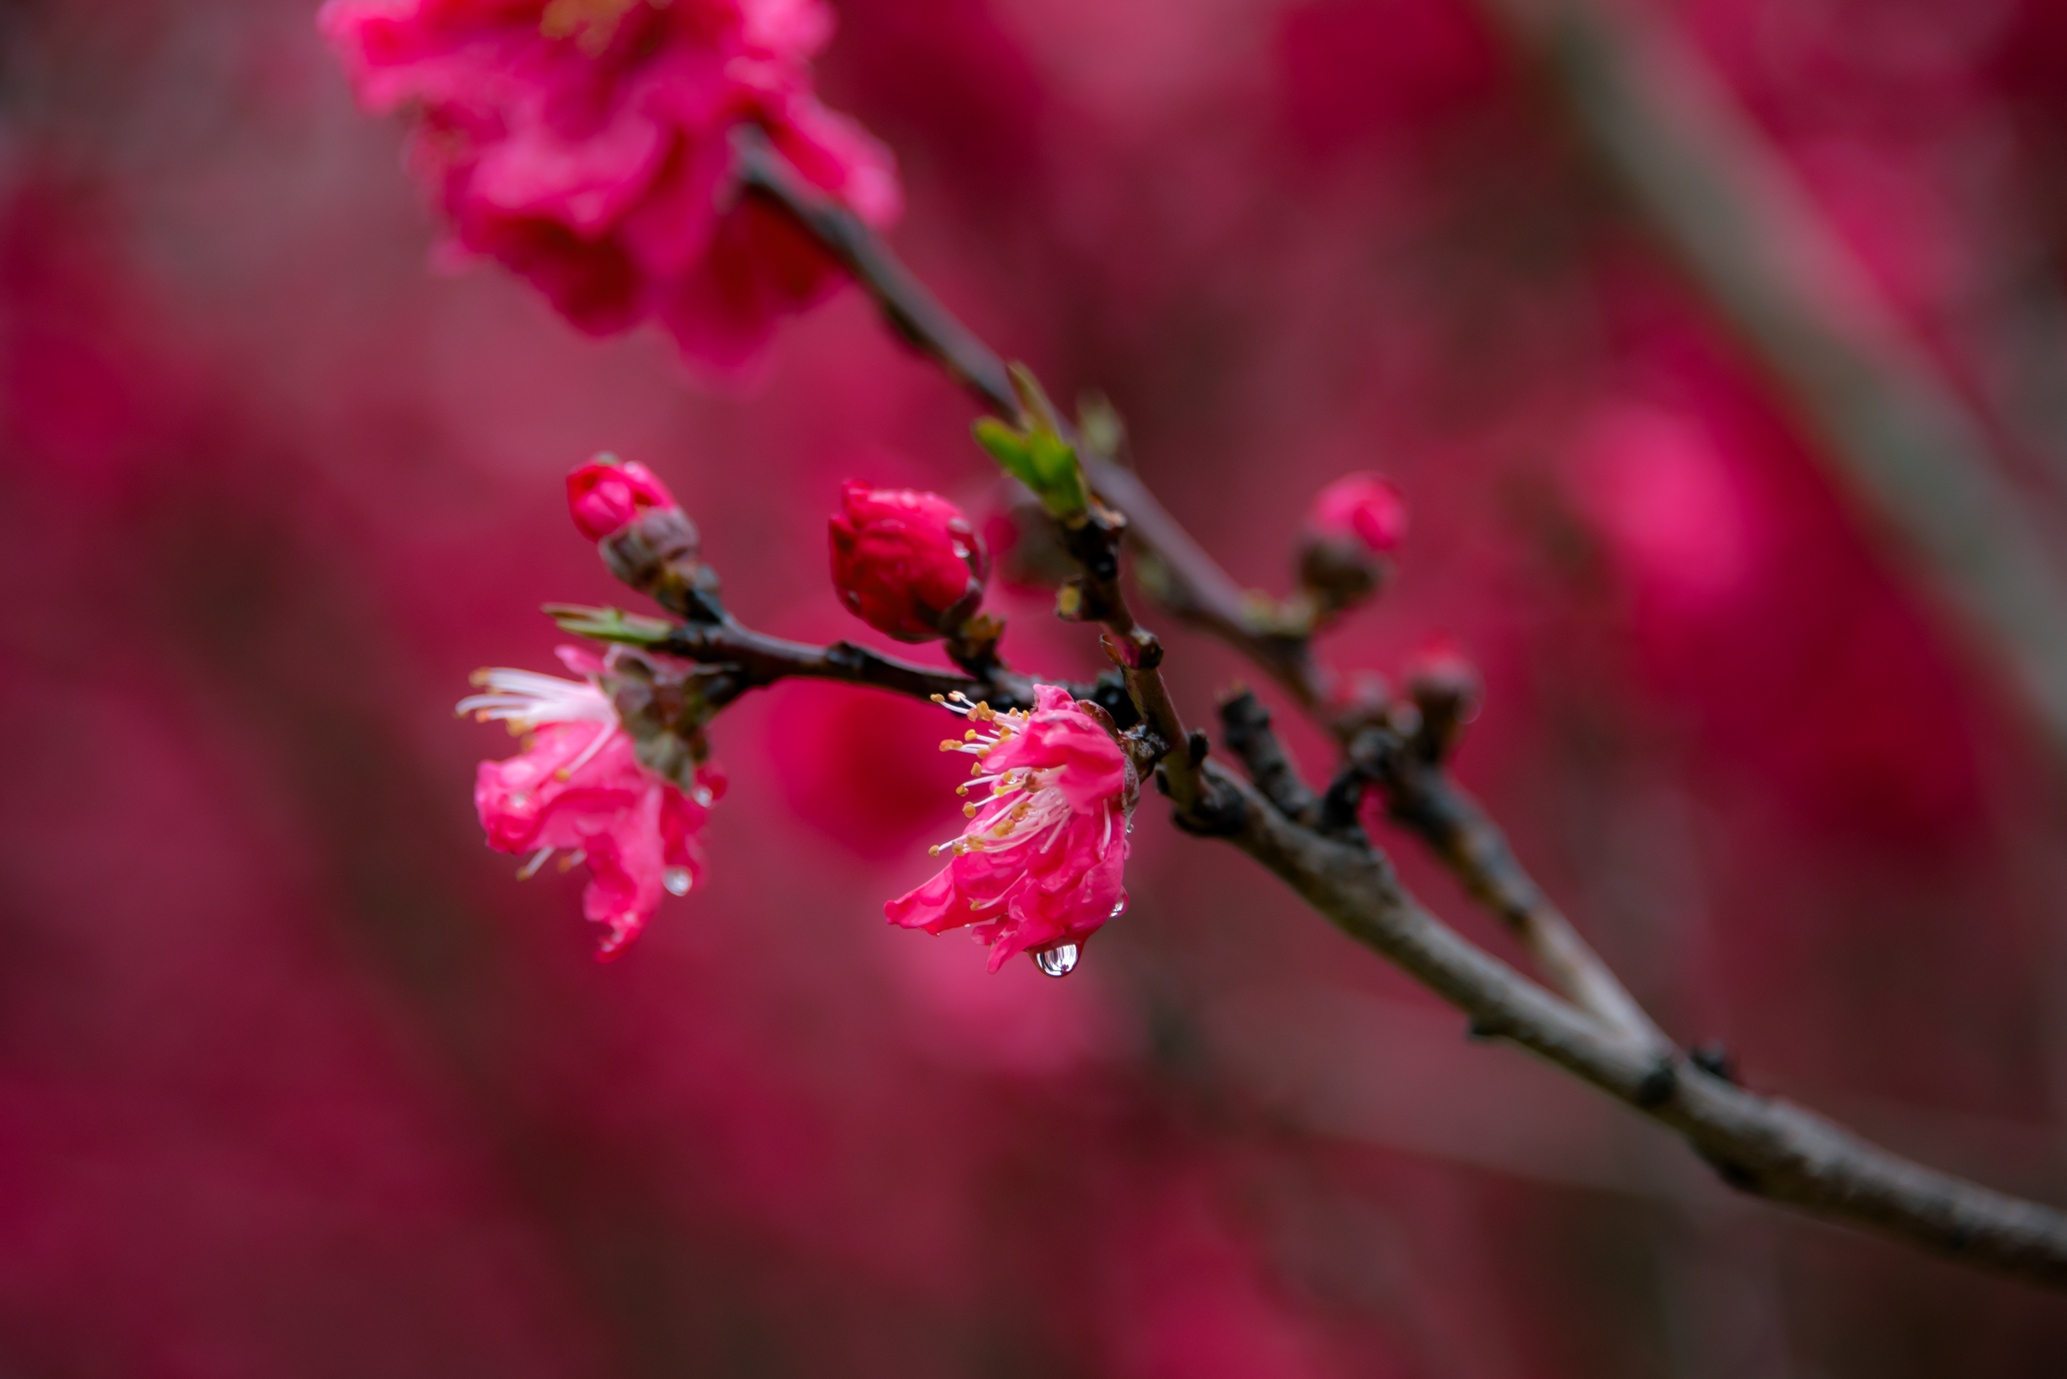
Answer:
(1420, 794)
(1761, 1145)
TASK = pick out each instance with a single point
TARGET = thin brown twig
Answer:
(1420, 794)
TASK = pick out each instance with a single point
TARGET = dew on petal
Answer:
(677, 880)
(1118, 908)
(1058, 961)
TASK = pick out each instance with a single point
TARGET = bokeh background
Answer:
(295, 1079)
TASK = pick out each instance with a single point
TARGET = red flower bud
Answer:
(1362, 505)
(606, 496)
(907, 563)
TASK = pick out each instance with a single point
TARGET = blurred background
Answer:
(296, 1079)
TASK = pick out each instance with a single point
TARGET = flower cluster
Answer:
(586, 145)
(1039, 867)
(579, 785)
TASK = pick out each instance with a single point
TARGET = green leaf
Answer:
(1009, 449)
(610, 624)
(1038, 457)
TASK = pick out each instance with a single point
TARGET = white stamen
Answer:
(527, 700)
(530, 868)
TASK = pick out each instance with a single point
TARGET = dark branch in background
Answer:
(1760, 1145)
(1724, 204)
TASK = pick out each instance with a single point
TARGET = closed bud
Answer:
(907, 563)
(1447, 689)
(647, 541)
(607, 495)
(1352, 529)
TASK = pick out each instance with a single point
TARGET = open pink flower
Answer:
(906, 562)
(585, 144)
(578, 785)
(605, 495)
(1039, 867)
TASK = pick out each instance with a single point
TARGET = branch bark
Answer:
(1762, 1145)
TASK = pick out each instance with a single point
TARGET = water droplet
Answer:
(703, 796)
(677, 880)
(1058, 961)
(1119, 908)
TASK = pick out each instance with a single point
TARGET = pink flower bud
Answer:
(606, 496)
(907, 563)
(1363, 505)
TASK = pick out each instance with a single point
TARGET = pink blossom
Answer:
(1363, 505)
(578, 785)
(907, 563)
(1038, 869)
(605, 496)
(585, 145)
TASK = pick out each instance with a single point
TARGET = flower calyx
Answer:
(665, 706)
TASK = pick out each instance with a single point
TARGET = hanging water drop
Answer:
(1058, 961)
(1118, 908)
(677, 880)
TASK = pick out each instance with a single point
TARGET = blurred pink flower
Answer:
(1673, 508)
(1365, 506)
(605, 495)
(907, 563)
(1039, 867)
(578, 784)
(585, 145)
